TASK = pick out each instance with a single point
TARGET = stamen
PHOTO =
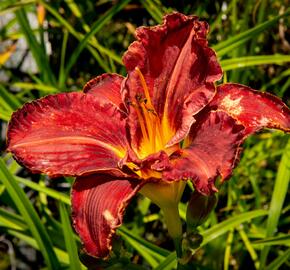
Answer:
(149, 121)
(141, 122)
(146, 90)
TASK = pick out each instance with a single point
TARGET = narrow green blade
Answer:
(47, 191)
(243, 62)
(38, 54)
(168, 263)
(70, 242)
(215, 232)
(278, 198)
(225, 226)
(151, 253)
(11, 101)
(279, 261)
(30, 216)
(228, 45)
(97, 26)
(161, 251)
(271, 241)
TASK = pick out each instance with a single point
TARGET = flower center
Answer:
(154, 135)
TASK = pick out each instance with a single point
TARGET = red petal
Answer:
(107, 88)
(176, 63)
(98, 205)
(253, 109)
(212, 151)
(67, 134)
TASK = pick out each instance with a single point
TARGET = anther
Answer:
(138, 97)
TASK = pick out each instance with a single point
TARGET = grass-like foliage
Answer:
(48, 47)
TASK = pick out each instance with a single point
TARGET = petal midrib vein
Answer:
(72, 140)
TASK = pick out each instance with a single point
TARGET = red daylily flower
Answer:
(164, 124)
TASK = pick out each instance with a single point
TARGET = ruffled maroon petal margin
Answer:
(67, 134)
(107, 88)
(212, 151)
(98, 205)
(253, 109)
(176, 63)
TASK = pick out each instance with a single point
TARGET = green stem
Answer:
(178, 248)
(167, 197)
(177, 244)
(172, 221)
(174, 226)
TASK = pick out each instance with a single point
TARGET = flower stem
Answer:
(177, 244)
(172, 221)
(174, 226)
(167, 197)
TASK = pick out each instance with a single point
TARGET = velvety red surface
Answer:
(107, 87)
(213, 148)
(67, 134)
(253, 109)
(98, 205)
(177, 64)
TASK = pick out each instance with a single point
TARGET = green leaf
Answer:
(10, 6)
(151, 253)
(225, 226)
(276, 80)
(97, 26)
(80, 37)
(169, 263)
(11, 101)
(277, 200)
(143, 251)
(48, 191)
(61, 255)
(11, 220)
(271, 241)
(228, 249)
(30, 216)
(242, 62)
(36, 86)
(216, 231)
(5, 115)
(249, 246)
(38, 53)
(70, 242)
(279, 261)
(155, 249)
(228, 45)
(61, 78)
(153, 10)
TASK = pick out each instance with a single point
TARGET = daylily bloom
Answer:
(164, 124)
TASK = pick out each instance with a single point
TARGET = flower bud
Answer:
(199, 208)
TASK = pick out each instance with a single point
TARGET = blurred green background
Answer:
(48, 47)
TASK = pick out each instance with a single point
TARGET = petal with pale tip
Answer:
(253, 109)
(98, 205)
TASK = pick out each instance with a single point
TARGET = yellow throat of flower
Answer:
(155, 132)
